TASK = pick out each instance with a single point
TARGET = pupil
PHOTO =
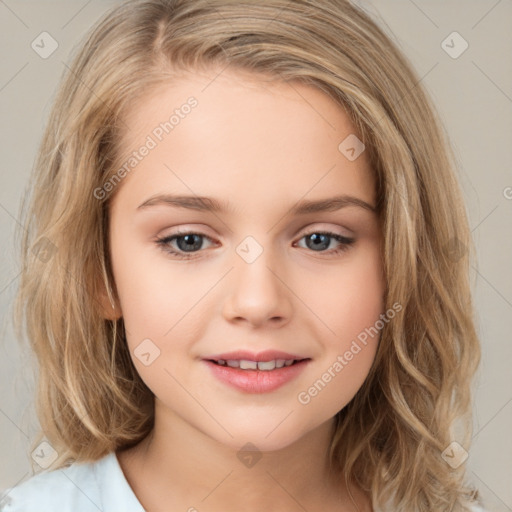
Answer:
(191, 242)
(319, 240)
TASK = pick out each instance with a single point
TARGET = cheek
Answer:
(351, 308)
(340, 379)
(362, 297)
(350, 297)
(149, 298)
(156, 311)
(162, 304)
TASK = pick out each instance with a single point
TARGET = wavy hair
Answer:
(91, 401)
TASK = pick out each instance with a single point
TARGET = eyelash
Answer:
(163, 243)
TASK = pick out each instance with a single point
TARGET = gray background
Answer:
(473, 94)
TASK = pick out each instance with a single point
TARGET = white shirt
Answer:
(82, 487)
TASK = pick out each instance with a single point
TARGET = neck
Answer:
(179, 467)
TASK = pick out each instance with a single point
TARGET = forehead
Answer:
(236, 94)
(246, 130)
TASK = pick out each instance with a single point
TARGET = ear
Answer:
(109, 310)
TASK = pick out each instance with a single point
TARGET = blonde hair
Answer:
(91, 401)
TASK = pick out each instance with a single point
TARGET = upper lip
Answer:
(266, 355)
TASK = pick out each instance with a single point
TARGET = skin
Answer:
(263, 147)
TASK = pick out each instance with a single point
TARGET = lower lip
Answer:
(257, 381)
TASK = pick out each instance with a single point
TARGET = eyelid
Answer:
(314, 228)
(164, 242)
(186, 229)
(323, 226)
(183, 232)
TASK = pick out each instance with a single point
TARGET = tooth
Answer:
(221, 361)
(233, 363)
(279, 363)
(248, 365)
(289, 362)
(266, 365)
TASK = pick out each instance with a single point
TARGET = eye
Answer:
(319, 240)
(187, 243)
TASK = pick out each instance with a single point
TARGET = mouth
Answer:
(246, 364)
(251, 376)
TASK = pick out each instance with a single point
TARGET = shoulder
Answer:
(72, 488)
(81, 487)
(477, 508)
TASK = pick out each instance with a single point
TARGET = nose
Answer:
(259, 292)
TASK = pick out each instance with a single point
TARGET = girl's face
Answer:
(255, 274)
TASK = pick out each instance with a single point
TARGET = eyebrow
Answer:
(209, 204)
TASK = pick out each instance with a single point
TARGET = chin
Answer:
(266, 438)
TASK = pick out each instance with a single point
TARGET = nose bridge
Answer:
(253, 264)
(257, 292)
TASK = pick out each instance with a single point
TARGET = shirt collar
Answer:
(115, 490)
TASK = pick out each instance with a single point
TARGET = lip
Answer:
(257, 381)
(266, 355)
